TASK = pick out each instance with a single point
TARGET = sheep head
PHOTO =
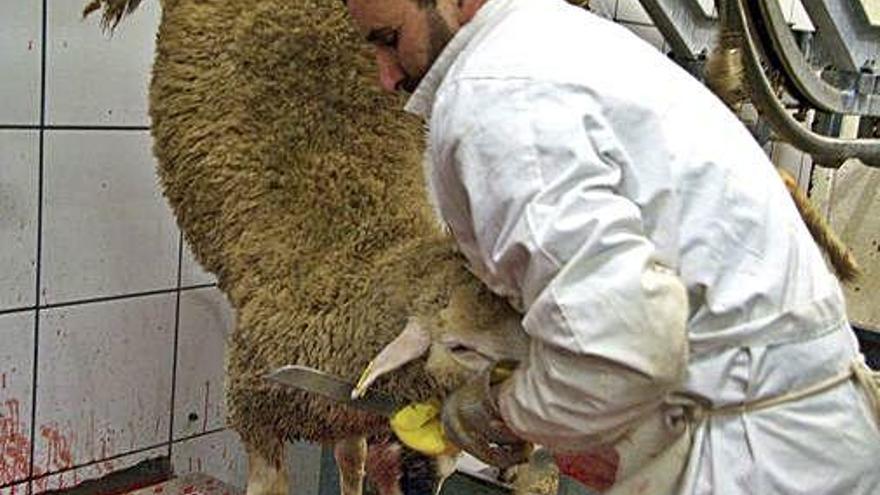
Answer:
(475, 329)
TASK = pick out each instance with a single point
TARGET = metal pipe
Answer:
(808, 84)
(830, 152)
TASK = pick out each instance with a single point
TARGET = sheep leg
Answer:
(384, 468)
(351, 457)
(267, 474)
(445, 468)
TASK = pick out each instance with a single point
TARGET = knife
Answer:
(334, 388)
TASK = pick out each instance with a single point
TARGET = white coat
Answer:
(655, 254)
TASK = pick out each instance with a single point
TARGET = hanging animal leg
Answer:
(384, 468)
(445, 467)
(267, 474)
(395, 470)
(842, 260)
(351, 457)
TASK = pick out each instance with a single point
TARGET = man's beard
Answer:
(439, 34)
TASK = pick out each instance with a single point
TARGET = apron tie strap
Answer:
(867, 378)
(870, 382)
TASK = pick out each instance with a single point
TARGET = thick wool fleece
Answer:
(301, 187)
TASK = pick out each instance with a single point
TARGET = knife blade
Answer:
(334, 388)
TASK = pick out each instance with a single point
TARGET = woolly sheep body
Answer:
(300, 185)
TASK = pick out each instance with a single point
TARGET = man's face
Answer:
(407, 37)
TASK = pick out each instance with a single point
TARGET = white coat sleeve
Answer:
(531, 175)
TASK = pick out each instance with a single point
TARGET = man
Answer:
(685, 329)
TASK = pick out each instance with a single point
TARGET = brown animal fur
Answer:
(300, 186)
(114, 10)
(725, 74)
(839, 255)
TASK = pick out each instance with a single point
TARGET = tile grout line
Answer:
(200, 434)
(132, 295)
(12, 311)
(38, 275)
(125, 454)
(75, 127)
(176, 343)
(42, 129)
(107, 459)
(19, 127)
(62, 127)
(94, 300)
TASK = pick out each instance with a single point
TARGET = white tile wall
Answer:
(852, 202)
(104, 380)
(872, 12)
(107, 229)
(218, 454)
(74, 477)
(633, 16)
(604, 8)
(19, 169)
(113, 91)
(20, 489)
(206, 319)
(786, 6)
(16, 385)
(192, 272)
(800, 20)
(648, 33)
(20, 60)
(632, 11)
(221, 454)
(792, 10)
(708, 7)
(788, 157)
(105, 369)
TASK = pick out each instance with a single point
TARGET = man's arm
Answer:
(536, 170)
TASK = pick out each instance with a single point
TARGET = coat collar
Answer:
(422, 100)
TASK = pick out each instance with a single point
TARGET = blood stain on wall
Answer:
(59, 448)
(15, 446)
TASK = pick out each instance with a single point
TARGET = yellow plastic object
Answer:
(418, 426)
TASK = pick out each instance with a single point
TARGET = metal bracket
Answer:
(690, 33)
(845, 31)
(831, 152)
(854, 93)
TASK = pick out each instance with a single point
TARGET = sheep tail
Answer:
(114, 11)
(842, 260)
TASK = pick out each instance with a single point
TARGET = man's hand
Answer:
(471, 420)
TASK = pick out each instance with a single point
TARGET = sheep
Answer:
(300, 186)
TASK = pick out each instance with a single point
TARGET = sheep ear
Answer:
(411, 344)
